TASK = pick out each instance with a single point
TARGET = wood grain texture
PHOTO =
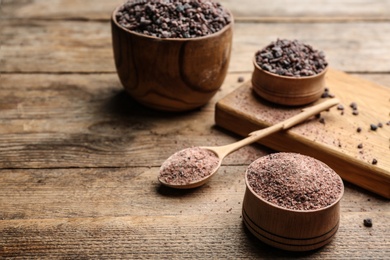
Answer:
(61, 47)
(139, 237)
(118, 192)
(254, 9)
(79, 158)
(171, 74)
(290, 91)
(82, 120)
(336, 141)
(81, 212)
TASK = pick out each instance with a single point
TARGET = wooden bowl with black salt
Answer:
(292, 201)
(172, 55)
(289, 73)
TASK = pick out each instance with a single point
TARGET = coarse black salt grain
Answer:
(341, 108)
(359, 129)
(373, 127)
(374, 161)
(360, 146)
(291, 58)
(325, 94)
(173, 18)
(367, 222)
(353, 105)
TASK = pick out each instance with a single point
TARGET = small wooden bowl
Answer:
(284, 90)
(287, 229)
(171, 74)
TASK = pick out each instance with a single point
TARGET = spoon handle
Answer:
(310, 111)
(257, 135)
(305, 114)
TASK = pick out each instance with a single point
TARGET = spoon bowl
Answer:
(220, 152)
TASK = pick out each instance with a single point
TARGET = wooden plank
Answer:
(59, 9)
(344, 44)
(61, 47)
(77, 212)
(199, 236)
(82, 120)
(104, 192)
(336, 141)
(36, 47)
(259, 9)
(95, 193)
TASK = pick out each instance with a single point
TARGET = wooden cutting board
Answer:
(333, 137)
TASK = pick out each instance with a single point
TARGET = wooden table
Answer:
(79, 158)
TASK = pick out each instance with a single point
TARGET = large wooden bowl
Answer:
(287, 229)
(284, 90)
(171, 74)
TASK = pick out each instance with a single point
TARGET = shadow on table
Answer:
(173, 193)
(122, 104)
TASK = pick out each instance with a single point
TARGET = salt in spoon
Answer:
(222, 151)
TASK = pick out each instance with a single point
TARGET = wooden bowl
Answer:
(284, 90)
(171, 74)
(288, 229)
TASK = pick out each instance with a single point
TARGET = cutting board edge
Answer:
(378, 182)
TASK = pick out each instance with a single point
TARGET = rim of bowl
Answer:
(295, 210)
(289, 77)
(225, 28)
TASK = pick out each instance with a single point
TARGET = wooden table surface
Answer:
(79, 159)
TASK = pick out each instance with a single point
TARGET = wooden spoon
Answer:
(223, 151)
